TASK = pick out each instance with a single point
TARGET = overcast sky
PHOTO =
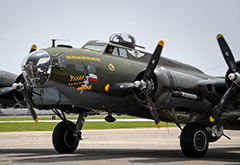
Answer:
(188, 27)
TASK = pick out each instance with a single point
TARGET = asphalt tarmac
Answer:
(115, 146)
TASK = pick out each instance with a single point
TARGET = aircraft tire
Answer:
(63, 139)
(194, 140)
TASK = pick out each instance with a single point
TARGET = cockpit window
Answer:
(123, 52)
(115, 51)
(36, 68)
(95, 47)
(112, 50)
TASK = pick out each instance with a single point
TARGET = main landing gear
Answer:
(66, 134)
(194, 140)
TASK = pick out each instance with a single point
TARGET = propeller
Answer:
(153, 61)
(234, 76)
(30, 107)
(5, 90)
(142, 85)
(33, 48)
(22, 89)
(124, 85)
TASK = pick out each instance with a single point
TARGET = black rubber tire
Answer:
(194, 140)
(63, 139)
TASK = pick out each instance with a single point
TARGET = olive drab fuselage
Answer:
(70, 67)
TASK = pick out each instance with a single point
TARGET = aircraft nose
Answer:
(36, 68)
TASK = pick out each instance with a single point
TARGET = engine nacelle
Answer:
(172, 89)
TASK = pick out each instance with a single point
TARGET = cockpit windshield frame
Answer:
(96, 47)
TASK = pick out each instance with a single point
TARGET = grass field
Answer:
(24, 118)
(49, 126)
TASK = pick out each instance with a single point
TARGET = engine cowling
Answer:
(158, 87)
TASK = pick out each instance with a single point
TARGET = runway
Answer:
(115, 146)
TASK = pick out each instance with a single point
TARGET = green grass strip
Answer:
(17, 127)
(24, 118)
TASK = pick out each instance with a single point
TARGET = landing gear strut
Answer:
(66, 134)
(194, 140)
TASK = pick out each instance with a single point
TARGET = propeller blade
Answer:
(117, 86)
(152, 108)
(227, 54)
(124, 85)
(5, 90)
(33, 48)
(221, 103)
(30, 107)
(153, 61)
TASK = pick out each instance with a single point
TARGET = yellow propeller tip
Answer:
(211, 119)
(219, 36)
(158, 125)
(34, 47)
(107, 87)
(161, 43)
(36, 120)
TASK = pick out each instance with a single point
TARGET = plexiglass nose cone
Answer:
(36, 68)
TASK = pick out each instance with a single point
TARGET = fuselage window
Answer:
(91, 68)
(62, 62)
(79, 66)
(123, 52)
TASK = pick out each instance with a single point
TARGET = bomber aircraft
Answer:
(116, 77)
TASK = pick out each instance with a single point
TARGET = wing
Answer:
(6, 81)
